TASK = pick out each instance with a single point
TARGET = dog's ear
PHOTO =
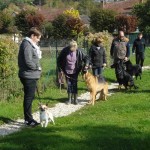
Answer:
(46, 104)
(40, 104)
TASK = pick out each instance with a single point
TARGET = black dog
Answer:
(133, 70)
(123, 77)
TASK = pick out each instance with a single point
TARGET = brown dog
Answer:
(95, 87)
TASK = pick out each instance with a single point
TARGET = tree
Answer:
(6, 3)
(102, 20)
(7, 22)
(27, 19)
(142, 11)
(68, 25)
(126, 23)
(86, 6)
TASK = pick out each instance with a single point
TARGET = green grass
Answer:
(121, 123)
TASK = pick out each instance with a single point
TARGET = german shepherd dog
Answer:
(133, 70)
(95, 86)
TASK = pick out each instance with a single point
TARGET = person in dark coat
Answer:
(139, 49)
(97, 56)
(120, 52)
(29, 71)
(71, 61)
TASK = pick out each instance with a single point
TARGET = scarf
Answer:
(37, 48)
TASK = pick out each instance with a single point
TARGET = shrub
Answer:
(101, 20)
(8, 55)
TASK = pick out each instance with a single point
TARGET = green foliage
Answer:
(8, 54)
(101, 19)
(142, 11)
(86, 6)
(48, 30)
(5, 3)
(68, 25)
(7, 22)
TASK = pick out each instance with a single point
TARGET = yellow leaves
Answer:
(72, 13)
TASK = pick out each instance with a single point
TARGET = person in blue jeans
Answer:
(71, 61)
(97, 56)
(29, 71)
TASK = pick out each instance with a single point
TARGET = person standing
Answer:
(139, 49)
(120, 52)
(29, 71)
(97, 55)
(70, 62)
(120, 48)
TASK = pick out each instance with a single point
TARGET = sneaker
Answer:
(32, 123)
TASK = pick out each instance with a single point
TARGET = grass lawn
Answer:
(121, 123)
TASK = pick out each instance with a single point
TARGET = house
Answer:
(50, 13)
(121, 6)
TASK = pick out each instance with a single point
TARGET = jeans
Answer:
(72, 83)
(97, 71)
(140, 59)
(29, 86)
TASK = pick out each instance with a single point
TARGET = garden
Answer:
(121, 123)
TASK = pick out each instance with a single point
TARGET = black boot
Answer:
(69, 98)
(75, 99)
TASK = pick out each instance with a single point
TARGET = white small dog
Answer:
(45, 116)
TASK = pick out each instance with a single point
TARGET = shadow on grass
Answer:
(6, 120)
(77, 138)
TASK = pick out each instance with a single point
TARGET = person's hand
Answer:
(86, 67)
(126, 58)
(104, 65)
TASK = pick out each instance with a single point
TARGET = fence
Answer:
(11, 87)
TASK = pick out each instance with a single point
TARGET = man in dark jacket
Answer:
(70, 61)
(29, 71)
(139, 49)
(120, 48)
(120, 51)
(97, 56)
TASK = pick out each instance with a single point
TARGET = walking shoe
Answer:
(32, 123)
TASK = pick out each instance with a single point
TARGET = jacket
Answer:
(120, 48)
(82, 60)
(28, 61)
(138, 46)
(97, 56)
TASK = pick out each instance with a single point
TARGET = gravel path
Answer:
(60, 110)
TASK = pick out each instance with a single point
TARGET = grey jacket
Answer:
(28, 61)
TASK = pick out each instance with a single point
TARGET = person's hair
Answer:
(140, 34)
(35, 31)
(98, 40)
(73, 44)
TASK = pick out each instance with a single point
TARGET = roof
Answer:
(49, 13)
(122, 7)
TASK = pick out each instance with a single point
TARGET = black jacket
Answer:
(82, 59)
(97, 56)
(138, 46)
